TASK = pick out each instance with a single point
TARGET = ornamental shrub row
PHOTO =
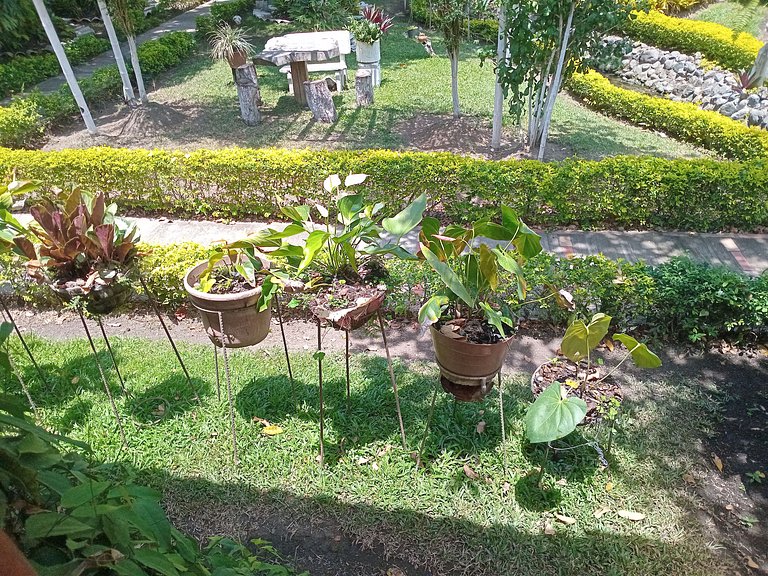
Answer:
(626, 191)
(26, 71)
(733, 50)
(486, 30)
(682, 120)
(23, 122)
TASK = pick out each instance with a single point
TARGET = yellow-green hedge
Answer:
(626, 191)
(728, 48)
(682, 120)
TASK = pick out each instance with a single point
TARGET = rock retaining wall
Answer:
(682, 78)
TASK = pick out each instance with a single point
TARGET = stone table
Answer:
(297, 50)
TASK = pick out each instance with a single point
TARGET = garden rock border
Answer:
(684, 78)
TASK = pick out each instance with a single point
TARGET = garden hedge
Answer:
(26, 71)
(733, 50)
(22, 123)
(627, 191)
(682, 120)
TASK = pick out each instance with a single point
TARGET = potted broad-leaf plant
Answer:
(80, 247)
(233, 289)
(340, 259)
(470, 320)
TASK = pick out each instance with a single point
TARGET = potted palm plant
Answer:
(470, 321)
(230, 44)
(80, 247)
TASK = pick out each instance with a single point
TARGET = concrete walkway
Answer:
(747, 253)
(184, 22)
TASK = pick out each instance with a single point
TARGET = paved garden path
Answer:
(184, 22)
(745, 252)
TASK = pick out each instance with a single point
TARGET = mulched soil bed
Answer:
(564, 371)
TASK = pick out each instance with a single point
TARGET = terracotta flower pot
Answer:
(244, 325)
(238, 59)
(467, 365)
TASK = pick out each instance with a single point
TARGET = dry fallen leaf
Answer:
(608, 344)
(363, 460)
(751, 563)
(549, 530)
(608, 486)
(505, 487)
(470, 473)
(395, 571)
(600, 512)
(562, 482)
(374, 466)
(75, 379)
(480, 427)
(729, 507)
(718, 463)
(261, 421)
(565, 519)
(629, 515)
(272, 430)
(688, 478)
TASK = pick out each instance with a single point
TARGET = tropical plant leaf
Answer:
(331, 183)
(553, 415)
(580, 338)
(355, 179)
(488, 266)
(496, 319)
(641, 356)
(493, 231)
(296, 213)
(156, 561)
(407, 219)
(86, 492)
(313, 244)
(49, 524)
(448, 276)
(527, 242)
(432, 309)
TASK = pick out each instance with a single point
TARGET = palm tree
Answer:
(58, 49)
(124, 14)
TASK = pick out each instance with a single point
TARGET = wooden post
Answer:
(364, 87)
(299, 75)
(248, 94)
(320, 101)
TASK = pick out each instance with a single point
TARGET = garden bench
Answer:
(338, 66)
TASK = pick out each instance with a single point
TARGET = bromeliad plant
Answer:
(471, 271)
(371, 27)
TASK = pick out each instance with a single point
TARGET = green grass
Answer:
(745, 16)
(413, 84)
(436, 516)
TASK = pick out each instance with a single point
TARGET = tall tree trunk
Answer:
(498, 95)
(454, 57)
(137, 69)
(58, 49)
(555, 86)
(128, 93)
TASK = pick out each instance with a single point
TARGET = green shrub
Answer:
(163, 268)
(25, 71)
(312, 14)
(627, 191)
(21, 125)
(733, 50)
(682, 120)
(674, 6)
(225, 11)
(485, 30)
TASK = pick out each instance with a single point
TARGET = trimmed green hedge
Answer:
(23, 122)
(733, 50)
(485, 30)
(627, 191)
(26, 71)
(682, 120)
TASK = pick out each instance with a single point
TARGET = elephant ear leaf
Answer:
(641, 356)
(553, 415)
(580, 338)
(407, 219)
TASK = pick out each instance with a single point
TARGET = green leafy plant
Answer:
(227, 42)
(344, 246)
(371, 26)
(553, 416)
(471, 271)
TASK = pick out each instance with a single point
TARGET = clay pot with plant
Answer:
(341, 258)
(470, 320)
(233, 291)
(578, 387)
(230, 44)
(80, 247)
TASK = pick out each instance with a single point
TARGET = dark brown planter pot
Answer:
(467, 370)
(237, 59)
(244, 325)
(101, 299)
(351, 318)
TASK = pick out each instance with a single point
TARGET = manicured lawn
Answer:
(196, 106)
(462, 513)
(748, 16)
